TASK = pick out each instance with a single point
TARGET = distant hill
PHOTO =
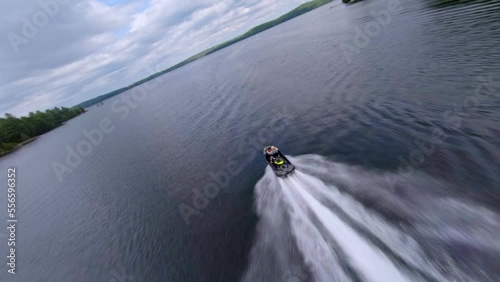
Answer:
(302, 9)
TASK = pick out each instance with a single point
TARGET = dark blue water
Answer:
(395, 136)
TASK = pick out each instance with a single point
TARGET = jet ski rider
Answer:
(276, 161)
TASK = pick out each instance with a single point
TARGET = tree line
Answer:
(15, 131)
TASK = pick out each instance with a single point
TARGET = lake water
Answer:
(395, 135)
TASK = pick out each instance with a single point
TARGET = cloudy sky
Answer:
(63, 52)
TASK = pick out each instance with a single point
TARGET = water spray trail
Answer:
(372, 264)
(397, 241)
(316, 251)
(310, 230)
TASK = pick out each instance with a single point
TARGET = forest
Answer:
(15, 132)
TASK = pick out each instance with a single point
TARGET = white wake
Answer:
(311, 230)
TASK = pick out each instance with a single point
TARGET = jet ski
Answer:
(277, 161)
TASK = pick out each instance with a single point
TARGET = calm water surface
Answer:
(375, 197)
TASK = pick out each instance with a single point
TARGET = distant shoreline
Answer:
(302, 9)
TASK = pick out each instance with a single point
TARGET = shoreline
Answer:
(18, 146)
(32, 139)
(298, 11)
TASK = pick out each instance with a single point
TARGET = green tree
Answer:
(14, 131)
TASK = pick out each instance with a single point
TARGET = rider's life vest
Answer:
(279, 161)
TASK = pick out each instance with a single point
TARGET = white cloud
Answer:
(92, 47)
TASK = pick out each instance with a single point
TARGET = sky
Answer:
(63, 52)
